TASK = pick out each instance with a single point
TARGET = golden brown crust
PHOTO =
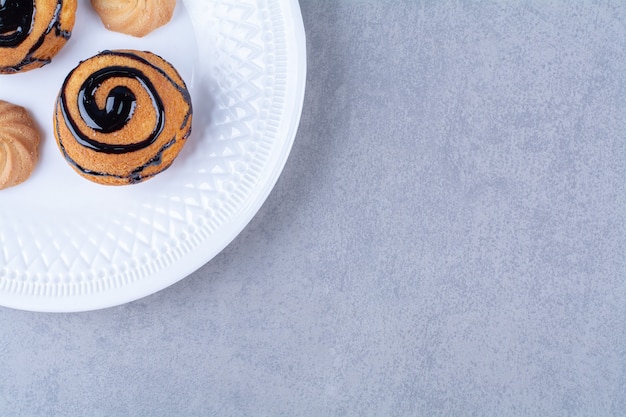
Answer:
(134, 17)
(149, 138)
(19, 144)
(49, 29)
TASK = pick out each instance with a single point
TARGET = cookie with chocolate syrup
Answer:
(122, 117)
(33, 32)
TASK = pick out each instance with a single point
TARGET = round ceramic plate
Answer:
(67, 244)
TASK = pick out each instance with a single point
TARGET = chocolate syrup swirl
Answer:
(117, 112)
(16, 21)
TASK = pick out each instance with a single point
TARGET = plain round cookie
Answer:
(122, 117)
(134, 17)
(19, 144)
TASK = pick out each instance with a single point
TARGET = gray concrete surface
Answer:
(447, 239)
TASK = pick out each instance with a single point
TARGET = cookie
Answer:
(19, 144)
(122, 117)
(134, 17)
(33, 32)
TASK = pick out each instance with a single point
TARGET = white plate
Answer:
(67, 244)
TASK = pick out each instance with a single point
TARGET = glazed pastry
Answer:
(32, 32)
(134, 17)
(122, 117)
(19, 144)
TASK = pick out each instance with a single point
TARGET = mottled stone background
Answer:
(447, 239)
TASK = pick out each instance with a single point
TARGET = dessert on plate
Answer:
(33, 32)
(19, 144)
(122, 117)
(134, 17)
